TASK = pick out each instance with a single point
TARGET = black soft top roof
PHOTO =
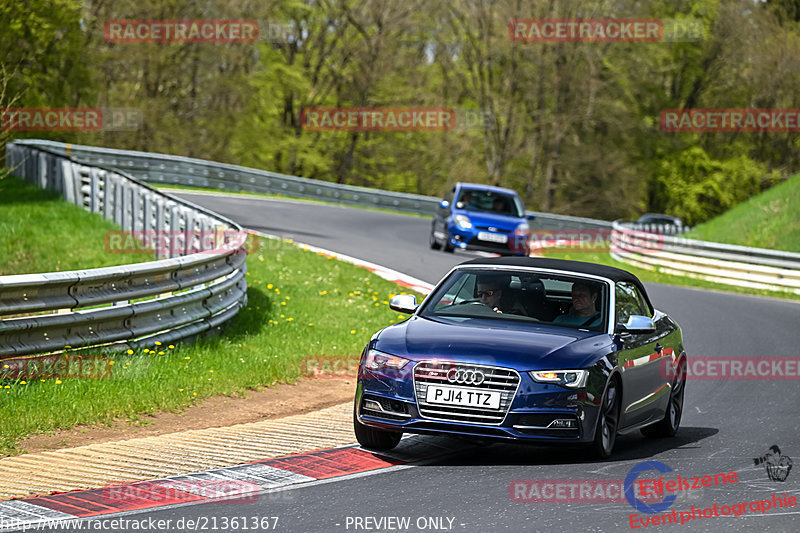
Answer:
(612, 273)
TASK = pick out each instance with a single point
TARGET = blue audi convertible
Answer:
(525, 349)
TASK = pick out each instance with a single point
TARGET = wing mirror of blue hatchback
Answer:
(444, 204)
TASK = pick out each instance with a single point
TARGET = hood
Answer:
(516, 345)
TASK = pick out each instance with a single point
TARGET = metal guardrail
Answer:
(174, 170)
(194, 291)
(742, 266)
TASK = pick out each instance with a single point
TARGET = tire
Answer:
(605, 434)
(373, 438)
(447, 246)
(432, 241)
(668, 426)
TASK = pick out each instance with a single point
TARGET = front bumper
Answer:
(468, 240)
(533, 415)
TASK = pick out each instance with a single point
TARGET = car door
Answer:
(442, 213)
(645, 387)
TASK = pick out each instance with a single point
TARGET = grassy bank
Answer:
(302, 308)
(769, 220)
(40, 232)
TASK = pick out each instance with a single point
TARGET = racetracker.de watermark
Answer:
(642, 30)
(725, 368)
(167, 242)
(744, 120)
(57, 367)
(394, 119)
(595, 241)
(216, 31)
(70, 119)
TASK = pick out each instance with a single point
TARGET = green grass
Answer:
(667, 279)
(769, 220)
(40, 232)
(286, 197)
(300, 305)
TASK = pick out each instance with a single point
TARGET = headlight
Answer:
(523, 229)
(383, 361)
(462, 221)
(574, 379)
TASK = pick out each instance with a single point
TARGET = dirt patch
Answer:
(280, 400)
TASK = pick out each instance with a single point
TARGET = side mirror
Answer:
(444, 204)
(531, 217)
(637, 324)
(404, 303)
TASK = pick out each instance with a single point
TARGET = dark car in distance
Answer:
(524, 349)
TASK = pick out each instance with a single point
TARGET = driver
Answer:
(490, 291)
(583, 307)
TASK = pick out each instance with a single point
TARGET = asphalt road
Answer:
(725, 424)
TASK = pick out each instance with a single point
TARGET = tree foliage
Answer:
(573, 126)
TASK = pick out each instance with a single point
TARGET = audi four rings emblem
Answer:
(465, 377)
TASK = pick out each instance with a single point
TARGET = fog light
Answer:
(563, 423)
(372, 405)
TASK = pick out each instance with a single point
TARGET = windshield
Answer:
(523, 296)
(490, 202)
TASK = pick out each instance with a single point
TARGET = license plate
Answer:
(462, 396)
(492, 237)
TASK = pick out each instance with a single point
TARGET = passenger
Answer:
(582, 309)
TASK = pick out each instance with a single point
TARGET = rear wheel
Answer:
(605, 434)
(374, 438)
(668, 426)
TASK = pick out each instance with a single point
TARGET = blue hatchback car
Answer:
(524, 349)
(481, 217)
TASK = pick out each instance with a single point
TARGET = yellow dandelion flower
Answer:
(194, 394)
(211, 371)
(283, 316)
(41, 380)
(289, 319)
(269, 285)
(158, 343)
(130, 352)
(310, 324)
(67, 346)
(171, 346)
(187, 357)
(180, 390)
(7, 387)
(283, 303)
(160, 353)
(352, 331)
(323, 292)
(23, 382)
(58, 382)
(288, 297)
(111, 362)
(6, 366)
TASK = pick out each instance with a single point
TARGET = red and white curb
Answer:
(241, 484)
(386, 273)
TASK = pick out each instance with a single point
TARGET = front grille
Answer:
(499, 246)
(503, 380)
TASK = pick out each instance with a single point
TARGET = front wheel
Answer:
(433, 243)
(668, 426)
(605, 435)
(374, 438)
(448, 247)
